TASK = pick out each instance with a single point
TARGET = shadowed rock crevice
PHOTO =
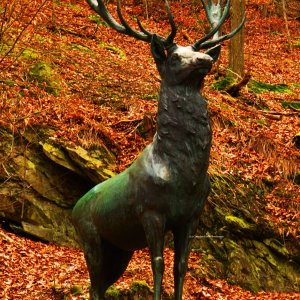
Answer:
(41, 181)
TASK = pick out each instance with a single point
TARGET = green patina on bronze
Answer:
(166, 187)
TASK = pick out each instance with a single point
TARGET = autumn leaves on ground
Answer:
(101, 87)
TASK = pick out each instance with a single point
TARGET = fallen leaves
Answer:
(33, 270)
(101, 94)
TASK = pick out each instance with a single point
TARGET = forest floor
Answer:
(34, 270)
(101, 87)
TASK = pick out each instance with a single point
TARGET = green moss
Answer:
(296, 86)
(9, 82)
(297, 43)
(42, 39)
(98, 20)
(262, 122)
(220, 182)
(74, 7)
(140, 288)
(290, 104)
(57, 155)
(43, 73)
(260, 87)
(116, 50)
(100, 76)
(76, 290)
(31, 165)
(231, 245)
(112, 293)
(150, 96)
(264, 252)
(239, 223)
(29, 54)
(276, 246)
(223, 83)
(81, 48)
(250, 254)
(4, 47)
(95, 165)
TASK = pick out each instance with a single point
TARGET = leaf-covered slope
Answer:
(94, 87)
(33, 270)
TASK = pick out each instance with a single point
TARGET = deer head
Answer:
(182, 65)
(177, 65)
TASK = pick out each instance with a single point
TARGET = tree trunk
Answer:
(236, 49)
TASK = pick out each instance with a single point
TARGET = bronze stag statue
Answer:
(167, 185)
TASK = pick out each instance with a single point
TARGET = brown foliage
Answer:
(106, 100)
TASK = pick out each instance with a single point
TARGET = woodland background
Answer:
(78, 104)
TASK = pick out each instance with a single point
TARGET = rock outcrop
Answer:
(40, 182)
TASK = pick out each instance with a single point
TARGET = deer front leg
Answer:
(154, 226)
(182, 243)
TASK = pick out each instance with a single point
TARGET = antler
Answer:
(216, 19)
(144, 35)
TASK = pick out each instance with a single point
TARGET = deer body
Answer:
(166, 186)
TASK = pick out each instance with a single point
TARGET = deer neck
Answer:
(183, 137)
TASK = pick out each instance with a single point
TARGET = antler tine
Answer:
(99, 7)
(209, 44)
(199, 44)
(144, 35)
(129, 30)
(213, 13)
(142, 28)
(170, 38)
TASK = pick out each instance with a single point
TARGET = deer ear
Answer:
(158, 50)
(214, 52)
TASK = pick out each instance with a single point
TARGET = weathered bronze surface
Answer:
(167, 185)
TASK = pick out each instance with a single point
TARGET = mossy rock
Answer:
(113, 293)
(44, 74)
(97, 164)
(237, 244)
(277, 246)
(239, 224)
(141, 290)
(223, 83)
